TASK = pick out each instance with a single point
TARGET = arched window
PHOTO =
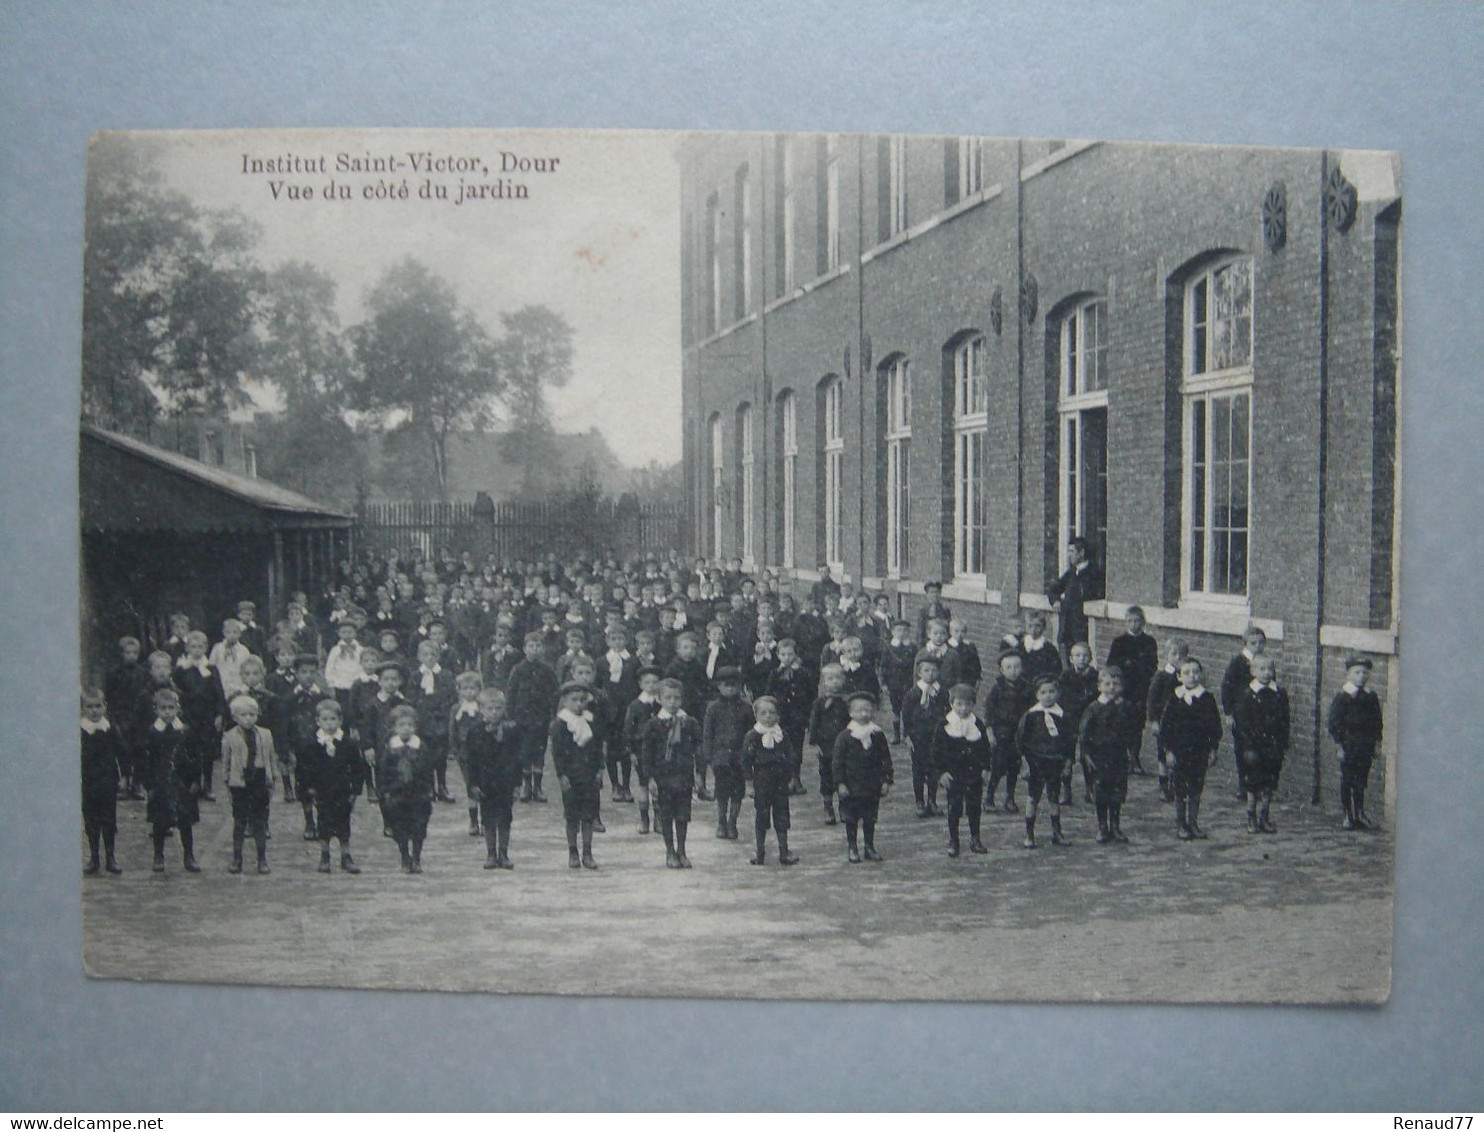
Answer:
(1217, 421)
(895, 376)
(832, 444)
(745, 482)
(718, 483)
(788, 455)
(1083, 410)
(970, 422)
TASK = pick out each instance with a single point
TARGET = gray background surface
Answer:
(1403, 77)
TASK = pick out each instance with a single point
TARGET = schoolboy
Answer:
(1037, 651)
(227, 655)
(175, 643)
(1161, 688)
(332, 772)
(923, 710)
(859, 676)
(585, 673)
(645, 705)
(958, 752)
(433, 693)
(172, 762)
(100, 780)
(1076, 688)
(576, 638)
(273, 712)
(343, 663)
(404, 782)
(461, 719)
(495, 767)
(1045, 740)
(827, 719)
(861, 770)
(389, 645)
(619, 683)
(1191, 732)
(501, 656)
(253, 638)
(963, 655)
(670, 743)
(281, 679)
(767, 760)
(898, 658)
(1261, 719)
(125, 687)
(577, 757)
(1104, 740)
(762, 661)
(1135, 653)
(201, 704)
(728, 720)
(530, 703)
(1355, 723)
(250, 767)
(362, 692)
(793, 689)
(1006, 701)
(933, 608)
(688, 667)
(1233, 683)
(301, 711)
(376, 727)
(937, 647)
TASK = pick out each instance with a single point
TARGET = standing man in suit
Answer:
(1082, 582)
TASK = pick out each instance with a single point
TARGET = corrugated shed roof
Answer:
(253, 492)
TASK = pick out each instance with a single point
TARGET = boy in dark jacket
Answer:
(1045, 739)
(1233, 683)
(433, 693)
(644, 706)
(577, 758)
(461, 718)
(124, 687)
(767, 760)
(1076, 688)
(1038, 652)
(1007, 699)
(530, 703)
(898, 657)
(728, 720)
(332, 771)
(670, 743)
(1190, 730)
(1355, 723)
(827, 719)
(1136, 654)
(861, 770)
(495, 768)
(404, 777)
(1261, 719)
(172, 757)
(923, 709)
(793, 688)
(100, 780)
(1104, 741)
(959, 752)
(1161, 688)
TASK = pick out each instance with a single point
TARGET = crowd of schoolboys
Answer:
(675, 684)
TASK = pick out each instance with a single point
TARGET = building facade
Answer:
(919, 358)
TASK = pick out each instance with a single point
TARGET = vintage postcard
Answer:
(769, 566)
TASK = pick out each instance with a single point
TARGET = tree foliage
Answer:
(535, 353)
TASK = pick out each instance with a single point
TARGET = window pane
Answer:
(1238, 562)
(1070, 353)
(1241, 411)
(1198, 327)
(1220, 495)
(1221, 562)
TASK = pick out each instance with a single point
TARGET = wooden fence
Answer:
(517, 531)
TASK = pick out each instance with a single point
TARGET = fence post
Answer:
(482, 533)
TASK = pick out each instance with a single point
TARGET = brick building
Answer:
(923, 358)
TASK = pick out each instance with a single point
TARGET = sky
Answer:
(596, 240)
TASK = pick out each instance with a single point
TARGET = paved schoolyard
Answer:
(1303, 916)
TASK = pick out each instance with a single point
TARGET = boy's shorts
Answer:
(672, 803)
(854, 808)
(1045, 774)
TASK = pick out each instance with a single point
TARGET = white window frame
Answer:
(834, 459)
(970, 167)
(787, 215)
(1083, 383)
(790, 447)
(898, 435)
(745, 433)
(832, 202)
(718, 484)
(970, 432)
(1214, 372)
(896, 185)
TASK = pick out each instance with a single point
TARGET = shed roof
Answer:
(128, 485)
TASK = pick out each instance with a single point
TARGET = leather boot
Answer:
(784, 856)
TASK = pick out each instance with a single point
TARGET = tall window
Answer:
(896, 185)
(718, 484)
(743, 257)
(1218, 429)
(898, 435)
(970, 421)
(788, 418)
(829, 203)
(745, 479)
(970, 167)
(713, 263)
(833, 440)
(1083, 406)
(786, 214)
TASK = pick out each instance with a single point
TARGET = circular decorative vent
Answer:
(1029, 294)
(1275, 216)
(1340, 200)
(997, 311)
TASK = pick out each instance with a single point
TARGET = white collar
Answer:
(646, 698)
(414, 743)
(92, 728)
(468, 708)
(1249, 654)
(1258, 685)
(175, 724)
(679, 713)
(1033, 644)
(1171, 669)
(327, 738)
(1350, 689)
(863, 731)
(771, 736)
(929, 689)
(1190, 695)
(1103, 699)
(962, 727)
(849, 665)
(1054, 709)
